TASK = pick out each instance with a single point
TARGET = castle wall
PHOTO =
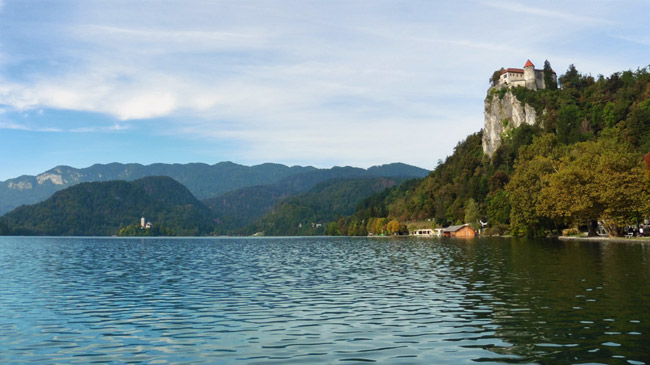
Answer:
(529, 76)
(539, 79)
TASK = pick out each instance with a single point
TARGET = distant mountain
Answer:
(202, 180)
(238, 209)
(102, 208)
(309, 213)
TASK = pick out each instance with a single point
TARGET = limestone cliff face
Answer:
(502, 115)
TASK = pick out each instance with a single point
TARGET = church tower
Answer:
(529, 75)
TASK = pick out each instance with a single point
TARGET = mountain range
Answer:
(202, 180)
(242, 197)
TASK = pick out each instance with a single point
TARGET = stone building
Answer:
(505, 113)
(528, 77)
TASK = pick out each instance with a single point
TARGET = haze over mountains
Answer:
(203, 180)
(99, 200)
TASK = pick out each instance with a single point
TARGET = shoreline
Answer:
(606, 239)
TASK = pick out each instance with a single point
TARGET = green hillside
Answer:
(582, 162)
(309, 213)
(103, 208)
(237, 210)
(201, 179)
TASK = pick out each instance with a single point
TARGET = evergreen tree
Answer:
(549, 80)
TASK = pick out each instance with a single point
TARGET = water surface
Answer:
(323, 300)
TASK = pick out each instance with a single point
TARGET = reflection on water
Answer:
(311, 300)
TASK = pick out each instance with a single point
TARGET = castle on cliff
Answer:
(507, 112)
(528, 76)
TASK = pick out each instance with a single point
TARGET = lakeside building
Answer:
(423, 232)
(462, 231)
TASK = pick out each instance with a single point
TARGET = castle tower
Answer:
(529, 75)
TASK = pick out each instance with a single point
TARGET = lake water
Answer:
(323, 300)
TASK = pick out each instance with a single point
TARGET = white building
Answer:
(423, 232)
(144, 224)
(528, 77)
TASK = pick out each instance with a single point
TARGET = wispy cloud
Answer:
(327, 79)
(644, 41)
(113, 128)
(21, 127)
(572, 15)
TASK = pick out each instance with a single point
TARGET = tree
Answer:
(580, 183)
(534, 163)
(494, 79)
(624, 187)
(4, 230)
(569, 195)
(549, 80)
(571, 78)
(498, 208)
(393, 227)
(472, 213)
(333, 229)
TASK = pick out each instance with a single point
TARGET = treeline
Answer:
(556, 185)
(136, 230)
(310, 213)
(273, 208)
(115, 208)
(103, 208)
(582, 162)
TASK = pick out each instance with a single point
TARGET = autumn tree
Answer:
(578, 184)
(532, 166)
(624, 189)
(569, 195)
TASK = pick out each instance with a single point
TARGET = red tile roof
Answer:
(529, 64)
(514, 70)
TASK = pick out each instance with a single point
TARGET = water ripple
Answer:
(321, 300)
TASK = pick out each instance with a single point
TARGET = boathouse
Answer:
(462, 231)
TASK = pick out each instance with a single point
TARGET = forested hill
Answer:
(103, 208)
(201, 179)
(582, 162)
(308, 213)
(238, 209)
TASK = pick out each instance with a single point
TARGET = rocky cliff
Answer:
(503, 113)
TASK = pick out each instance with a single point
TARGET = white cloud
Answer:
(325, 79)
(572, 16)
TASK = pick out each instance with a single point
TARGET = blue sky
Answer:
(304, 82)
